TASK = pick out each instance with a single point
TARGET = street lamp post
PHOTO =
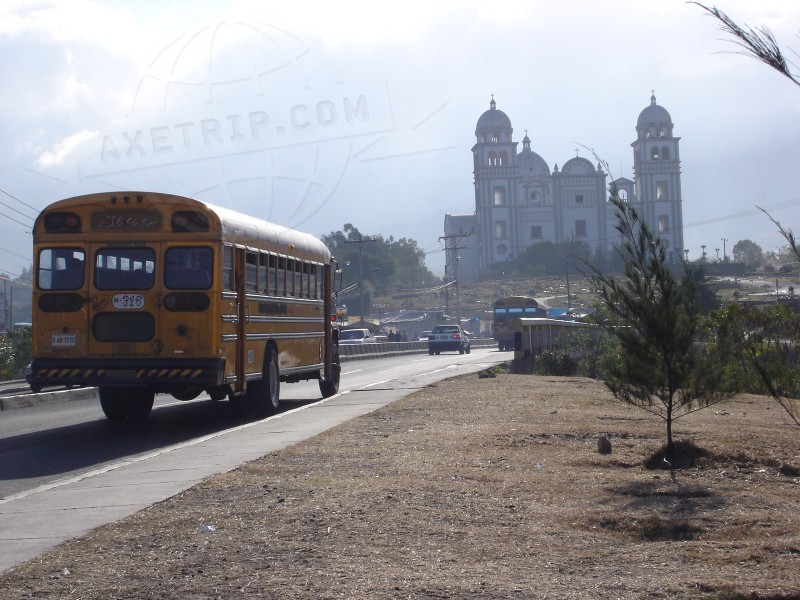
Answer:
(703, 255)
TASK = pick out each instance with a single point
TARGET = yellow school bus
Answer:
(140, 293)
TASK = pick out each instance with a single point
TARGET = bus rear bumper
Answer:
(159, 375)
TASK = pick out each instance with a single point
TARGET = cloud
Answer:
(64, 150)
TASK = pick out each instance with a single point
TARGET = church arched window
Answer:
(503, 158)
(492, 159)
(654, 153)
(535, 197)
(665, 152)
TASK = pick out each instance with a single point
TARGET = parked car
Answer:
(448, 337)
(356, 336)
(423, 337)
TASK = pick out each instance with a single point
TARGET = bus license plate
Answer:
(64, 340)
(127, 301)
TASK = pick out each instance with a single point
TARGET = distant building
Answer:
(519, 201)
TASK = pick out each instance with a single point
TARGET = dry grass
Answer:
(474, 488)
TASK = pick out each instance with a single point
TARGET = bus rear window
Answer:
(189, 268)
(124, 269)
(61, 268)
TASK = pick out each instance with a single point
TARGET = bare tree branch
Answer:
(758, 43)
(786, 233)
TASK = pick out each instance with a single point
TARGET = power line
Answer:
(33, 208)
(26, 225)
(18, 212)
(27, 258)
(746, 213)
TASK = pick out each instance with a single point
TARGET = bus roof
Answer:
(516, 301)
(235, 227)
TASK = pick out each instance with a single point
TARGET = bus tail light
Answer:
(62, 222)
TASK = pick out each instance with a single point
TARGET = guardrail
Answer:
(384, 349)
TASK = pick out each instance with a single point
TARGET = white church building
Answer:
(520, 202)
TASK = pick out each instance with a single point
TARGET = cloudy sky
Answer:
(316, 114)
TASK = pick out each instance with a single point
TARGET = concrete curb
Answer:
(42, 398)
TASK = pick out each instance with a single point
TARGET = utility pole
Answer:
(5, 305)
(568, 294)
(724, 255)
(446, 291)
(361, 241)
(454, 248)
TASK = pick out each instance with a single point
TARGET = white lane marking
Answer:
(369, 385)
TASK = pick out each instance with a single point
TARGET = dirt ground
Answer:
(478, 487)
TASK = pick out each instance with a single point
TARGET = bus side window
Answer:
(227, 268)
(263, 281)
(289, 277)
(313, 292)
(273, 274)
(251, 271)
(282, 276)
(298, 279)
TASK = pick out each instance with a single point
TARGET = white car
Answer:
(356, 336)
(423, 337)
(448, 337)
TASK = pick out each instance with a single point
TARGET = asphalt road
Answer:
(65, 469)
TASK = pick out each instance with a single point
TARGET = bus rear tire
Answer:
(119, 404)
(263, 396)
(219, 393)
(330, 387)
(272, 379)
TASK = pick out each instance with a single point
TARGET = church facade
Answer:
(520, 201)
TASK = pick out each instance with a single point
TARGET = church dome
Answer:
(654, 117)
(532, 165)
(654, 114)
(529, 163)
(493, 121)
